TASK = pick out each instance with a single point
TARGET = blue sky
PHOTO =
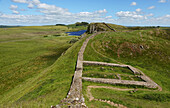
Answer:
(123, 12)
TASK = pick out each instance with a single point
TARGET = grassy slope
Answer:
(133, 100)
(33, 32)
(73, 27)
(28, 32)
(149, 52)
(49, 85)
(20, 59)
(102, 26)
(24, 59)
(25, 56)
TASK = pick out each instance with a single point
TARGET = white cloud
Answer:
(108, 16)
(96, 14)
(102, 11)
(15, 12)
(167, 16)
(133, 4)
(13, 7)
(20, 1)
(138, 10)
(124, 17)
(54, 18)
(52, 9)
(135, 18)
(53, 14)
(163, 20)
(30, 5)
(129, 15)
(36, 2)
(85, 13)
(151, 7)
(46, 6)
(162, 1)
(151, 14)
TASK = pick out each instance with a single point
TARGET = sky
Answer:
(51, 12)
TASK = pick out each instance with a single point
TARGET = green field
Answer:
(38, 63)
(147, 50)
(28, 65)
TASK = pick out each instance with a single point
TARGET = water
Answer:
(77, 33)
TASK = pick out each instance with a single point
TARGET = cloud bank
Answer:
(51, 14)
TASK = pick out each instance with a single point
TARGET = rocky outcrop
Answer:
(95, 27)
(109, 27)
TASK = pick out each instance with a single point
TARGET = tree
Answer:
(81, 23)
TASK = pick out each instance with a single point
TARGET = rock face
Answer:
(94, 27)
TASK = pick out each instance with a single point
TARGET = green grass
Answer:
(134, 100)
(147, 50)
(39, 80)
(33, 32)
(30, 75)
(107, 69)
(29, 32)
(103, 27)
(73, 27)
(41, 68)
(101, 95)
(23, 59)
(120, 47)
(109, 72)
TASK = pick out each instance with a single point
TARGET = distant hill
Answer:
(5, 26)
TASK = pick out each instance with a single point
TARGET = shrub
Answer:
(82, 23)
(74, 40)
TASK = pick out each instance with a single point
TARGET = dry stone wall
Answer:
(147, 81)
(75, 98)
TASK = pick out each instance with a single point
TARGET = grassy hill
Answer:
(147, 50)
(37, 69)
(30, 74)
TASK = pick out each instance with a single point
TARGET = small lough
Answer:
(77, 33)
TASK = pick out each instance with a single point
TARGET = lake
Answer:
(77, 33)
